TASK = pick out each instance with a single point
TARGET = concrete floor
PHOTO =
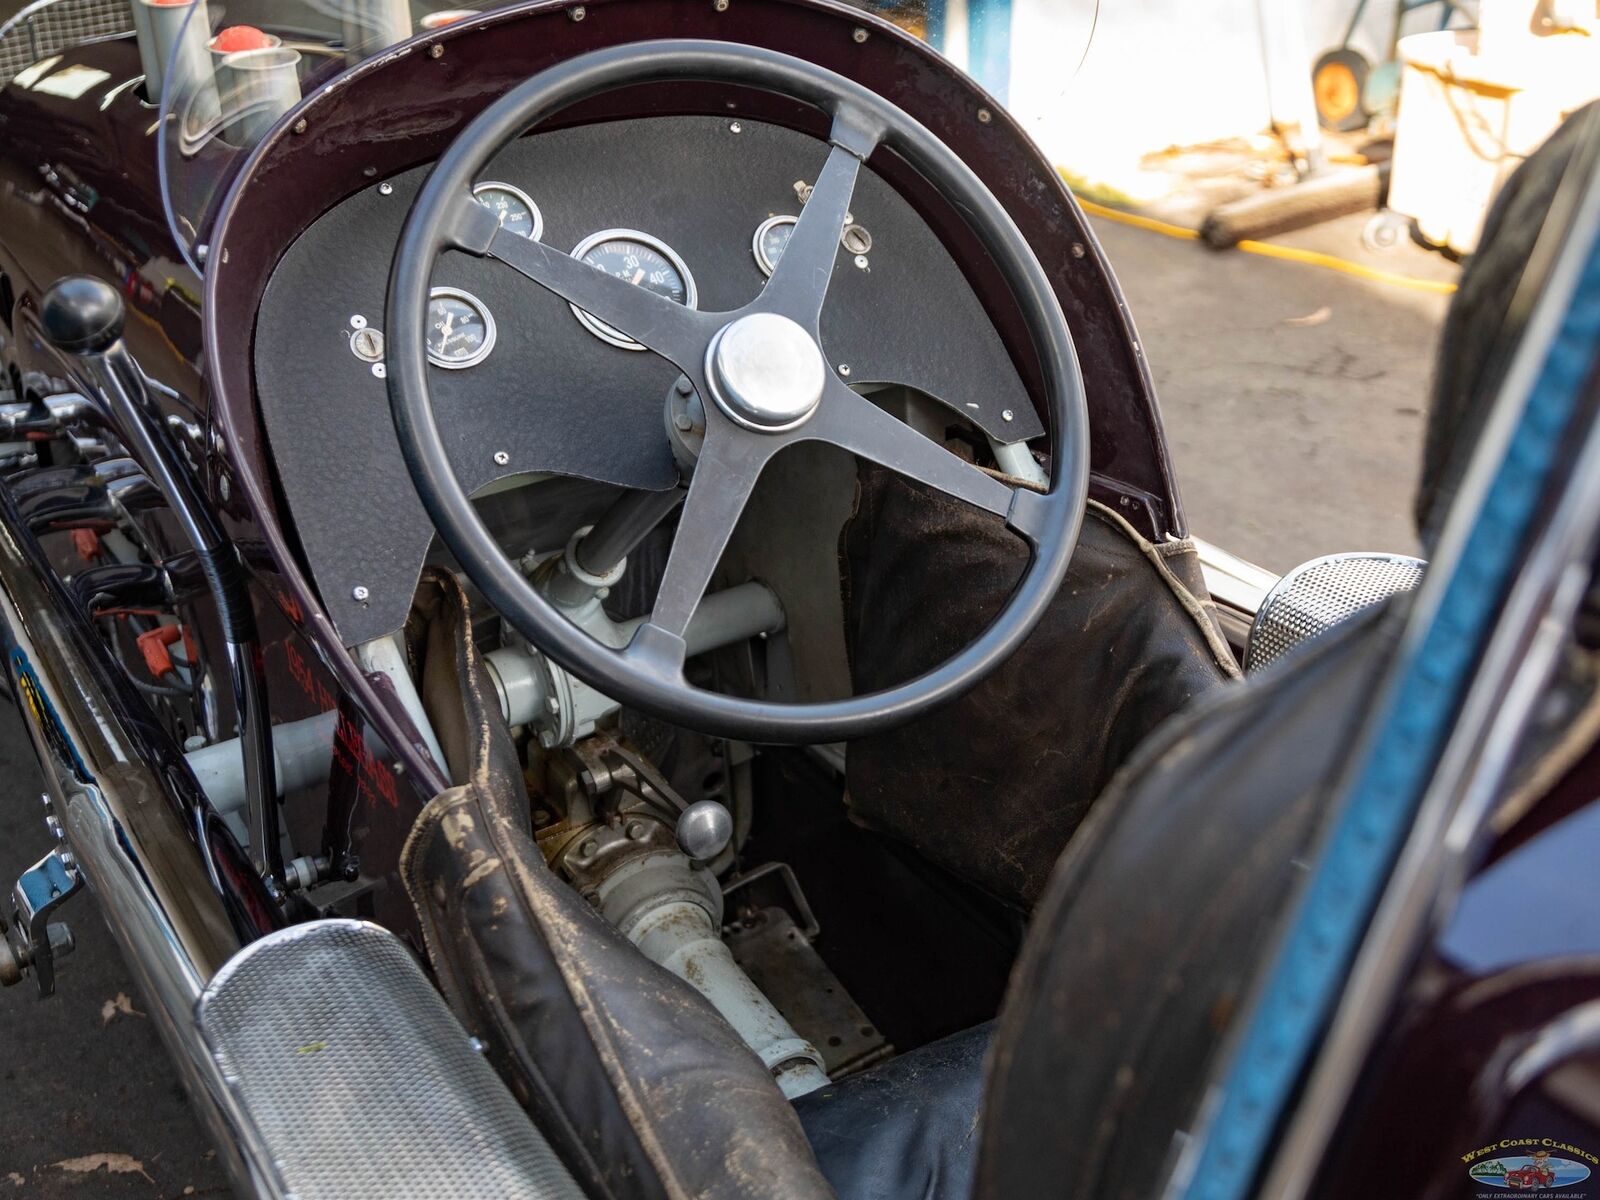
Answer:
(1294, 398)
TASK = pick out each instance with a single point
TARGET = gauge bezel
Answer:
(767, 265)
(533, 206)
(691, 295)
(490, 332)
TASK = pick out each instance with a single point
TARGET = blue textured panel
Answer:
(1377, 812)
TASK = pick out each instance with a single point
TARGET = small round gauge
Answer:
(642, 260)
(771, 239)
(461, 329)
(514, 207)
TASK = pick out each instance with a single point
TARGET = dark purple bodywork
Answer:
(79, 195)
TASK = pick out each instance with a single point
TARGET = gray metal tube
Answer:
(159, 28)
(257, 87)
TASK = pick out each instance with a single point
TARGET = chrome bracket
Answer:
(32, 940)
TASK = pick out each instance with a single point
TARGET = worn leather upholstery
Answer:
(637, 1081)
(906, 1130)
(1123, 992)
(992, 785)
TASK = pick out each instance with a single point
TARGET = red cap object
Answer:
(153, 645)
(87, 544)
(236, 38)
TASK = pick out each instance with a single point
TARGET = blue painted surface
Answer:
(1377, 811)
(989, 46)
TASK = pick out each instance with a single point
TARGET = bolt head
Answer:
(1008, 415)
(501, 458)
(360, 594)
(844, 369)
(720, 5)
(436, 51)
(984, 116)
(578, 13)
(859, 36)
(386, 189)
(735, 127)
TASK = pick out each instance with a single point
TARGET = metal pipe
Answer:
(622, 527)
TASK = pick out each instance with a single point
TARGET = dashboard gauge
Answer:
(642, 260)
(461, 329)
(513, 207)
(772, 237)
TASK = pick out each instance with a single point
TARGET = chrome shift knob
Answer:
(704, 830)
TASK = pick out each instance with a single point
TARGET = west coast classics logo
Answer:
(1532, 1165)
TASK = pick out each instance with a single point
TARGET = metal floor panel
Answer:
(358, 1079)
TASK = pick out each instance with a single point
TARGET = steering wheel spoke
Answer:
(799, 283)
(852, 421)
(724, 478)
(678, 334)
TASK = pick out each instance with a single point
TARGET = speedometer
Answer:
(512, 207)
(643, 261)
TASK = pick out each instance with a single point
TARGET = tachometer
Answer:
(461, 329)
(643, 261)
(771, 239)
(513, 207)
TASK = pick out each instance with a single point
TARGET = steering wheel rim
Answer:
(648, 673)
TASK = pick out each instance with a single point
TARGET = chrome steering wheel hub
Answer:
(766, 372)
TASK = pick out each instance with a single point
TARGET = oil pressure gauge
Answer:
(513, 207)
(461, 329)
(771, 239)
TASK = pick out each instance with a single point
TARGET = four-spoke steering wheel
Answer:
(762, 379)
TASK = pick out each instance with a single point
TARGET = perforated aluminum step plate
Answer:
(357, 1079)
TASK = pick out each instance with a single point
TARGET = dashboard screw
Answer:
(860, 35)
(1008, 415)
(720, 5)
(984, 116)
(735, 127)
(1077, 250)
(360, 594)
(844, 369)
(386, 189)
(436, 51)
(861, 261)
(501, 458)
(300, 126)
(578, 13)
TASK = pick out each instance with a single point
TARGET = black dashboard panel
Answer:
(552, 397)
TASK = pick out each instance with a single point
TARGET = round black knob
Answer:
(82, 315)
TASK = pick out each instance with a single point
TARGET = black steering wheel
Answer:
(762, 379)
